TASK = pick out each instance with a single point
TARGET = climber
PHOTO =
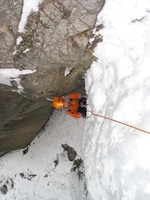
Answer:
(74, 103)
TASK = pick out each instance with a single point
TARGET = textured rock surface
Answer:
(55, 38)
(20, 120)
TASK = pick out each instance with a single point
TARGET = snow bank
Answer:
(117, 158)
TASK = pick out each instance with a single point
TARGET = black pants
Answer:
(82, 107)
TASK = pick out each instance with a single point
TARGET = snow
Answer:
(7, 75)
(26, 50)
(116, 157)
(34, 174)
(67, 71)
(19, 40)
(28, 7)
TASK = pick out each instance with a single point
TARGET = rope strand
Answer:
(104, 117)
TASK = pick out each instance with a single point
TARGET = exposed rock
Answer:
(78, 168)
(56, 161)
(70, 151)
(28, 176)
(6, 185)
(25, 150)
(20, 120)
(55, 38)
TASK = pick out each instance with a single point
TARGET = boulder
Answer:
(55, 46)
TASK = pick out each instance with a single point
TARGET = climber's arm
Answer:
(75, 115)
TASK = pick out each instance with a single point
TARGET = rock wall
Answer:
(54, 39)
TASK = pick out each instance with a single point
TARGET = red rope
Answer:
(104, 117)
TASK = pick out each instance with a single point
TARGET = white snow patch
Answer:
(19, 40)
(67, 71)
(28, 7)
(147, 189)
(7, 75)
(26, 50)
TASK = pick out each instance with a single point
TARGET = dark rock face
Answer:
(20, 120)
(54, 38)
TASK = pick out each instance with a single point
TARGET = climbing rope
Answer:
(104, 117)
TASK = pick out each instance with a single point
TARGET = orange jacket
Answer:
(73, 104)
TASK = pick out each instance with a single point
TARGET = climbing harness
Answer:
(125, 124)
